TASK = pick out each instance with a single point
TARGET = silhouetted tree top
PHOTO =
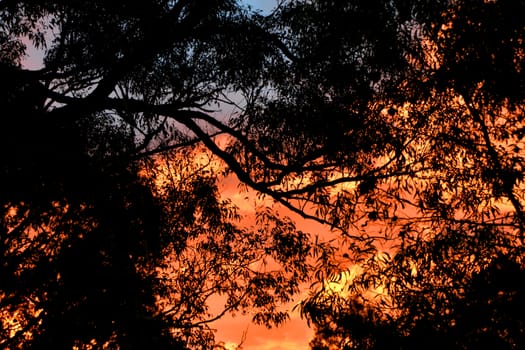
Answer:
(398, 124)
(334, 92)
(420, 115)
(113, 231)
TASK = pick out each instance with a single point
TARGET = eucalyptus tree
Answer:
(113, 231)
(406, 124)
(398, 124)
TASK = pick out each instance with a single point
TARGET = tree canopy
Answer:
(420, 110)
(398, 124)
(114, 233)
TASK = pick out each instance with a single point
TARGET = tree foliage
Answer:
(417, 109)
(113, 230)
(398, 124)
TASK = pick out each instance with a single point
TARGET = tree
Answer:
(417, 109)
(113, 232)
(486, 314)
(398, 124)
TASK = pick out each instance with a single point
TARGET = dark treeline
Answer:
(397, 124)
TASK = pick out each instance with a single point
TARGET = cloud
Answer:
(293, 335)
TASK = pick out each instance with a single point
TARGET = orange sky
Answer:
(294, 334)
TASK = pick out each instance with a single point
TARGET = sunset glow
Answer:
(262, 175)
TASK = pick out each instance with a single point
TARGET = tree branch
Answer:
(508, 184)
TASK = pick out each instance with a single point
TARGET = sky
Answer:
(264, 5)
(34, 57)
(294, 334)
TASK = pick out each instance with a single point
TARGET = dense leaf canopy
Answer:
(398, 124)
(113, 230)
(419, 111)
